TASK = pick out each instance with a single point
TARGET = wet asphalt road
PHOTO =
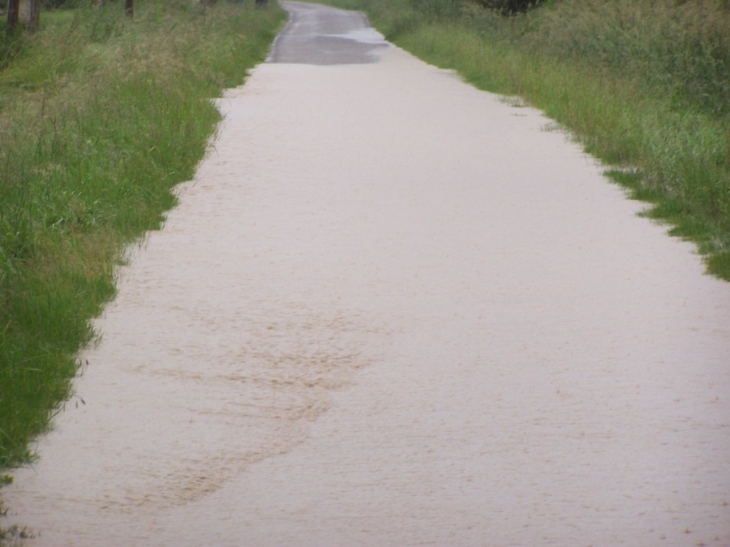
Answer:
(320, 35)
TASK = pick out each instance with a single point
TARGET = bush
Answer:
(509, 7)
(681, 48)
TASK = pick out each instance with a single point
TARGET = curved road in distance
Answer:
(320, 35)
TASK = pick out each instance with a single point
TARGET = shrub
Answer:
(509, 7)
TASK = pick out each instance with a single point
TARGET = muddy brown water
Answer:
(395, 310)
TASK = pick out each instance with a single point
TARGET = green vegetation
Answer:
(100, 116)
(644, 84)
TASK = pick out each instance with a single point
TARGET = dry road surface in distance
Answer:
(392, 310)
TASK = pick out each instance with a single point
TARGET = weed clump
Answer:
(681, 48)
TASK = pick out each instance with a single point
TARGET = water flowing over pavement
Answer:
(393, 310)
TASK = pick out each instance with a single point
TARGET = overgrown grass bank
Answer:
(100, 116)
(645, 84)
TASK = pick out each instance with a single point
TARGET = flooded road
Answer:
(394, 310)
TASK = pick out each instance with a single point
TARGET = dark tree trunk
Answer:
(12, 15)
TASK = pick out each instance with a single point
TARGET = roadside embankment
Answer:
(644, 85)
(100, 117)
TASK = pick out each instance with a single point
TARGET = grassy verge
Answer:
(644, 84)
(100, 116)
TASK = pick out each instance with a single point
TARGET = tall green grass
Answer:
(100, 116)
(644, 84)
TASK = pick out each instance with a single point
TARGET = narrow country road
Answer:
(392, 310)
